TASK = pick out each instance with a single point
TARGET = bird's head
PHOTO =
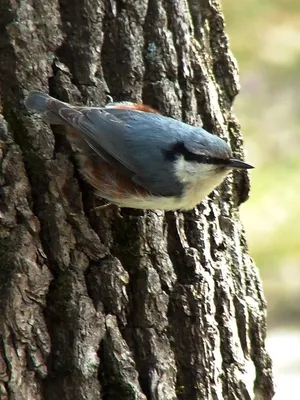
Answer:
(203, 160)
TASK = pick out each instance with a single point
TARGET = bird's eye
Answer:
(205, 159)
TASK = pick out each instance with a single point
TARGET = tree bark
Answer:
(142, 305)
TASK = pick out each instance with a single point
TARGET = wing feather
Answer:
(104, 133)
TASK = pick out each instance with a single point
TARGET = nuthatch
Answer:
(135, 157)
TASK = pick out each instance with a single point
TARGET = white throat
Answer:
(199, 179)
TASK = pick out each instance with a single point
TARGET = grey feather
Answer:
(37, 101)
(91, 132)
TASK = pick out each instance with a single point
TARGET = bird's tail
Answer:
(45, 105)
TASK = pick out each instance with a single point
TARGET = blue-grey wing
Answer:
(133, 141)
(82, 122)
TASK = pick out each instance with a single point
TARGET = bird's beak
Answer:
(237, 164)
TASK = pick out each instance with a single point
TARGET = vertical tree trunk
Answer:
(145, 305)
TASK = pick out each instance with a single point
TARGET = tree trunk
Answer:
(142, 305)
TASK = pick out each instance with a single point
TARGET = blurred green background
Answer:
(265, 39)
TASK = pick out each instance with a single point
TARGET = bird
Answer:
(135, 157)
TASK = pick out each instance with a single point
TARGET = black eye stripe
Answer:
(179, 149)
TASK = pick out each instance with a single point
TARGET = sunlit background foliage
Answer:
(265, 39)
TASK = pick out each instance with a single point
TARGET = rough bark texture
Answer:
(143, 306)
